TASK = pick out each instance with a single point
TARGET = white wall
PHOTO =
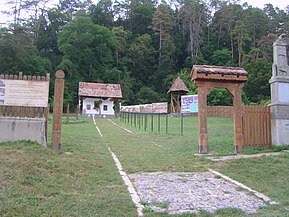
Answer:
(89, 102)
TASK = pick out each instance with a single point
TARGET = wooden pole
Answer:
(77, 112)
(67, 114)
(57, 110)
(202, 119)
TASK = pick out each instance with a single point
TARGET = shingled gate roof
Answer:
(99, 90)
(178, 86)
(218, 73)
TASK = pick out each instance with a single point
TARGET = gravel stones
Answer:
(178, 193)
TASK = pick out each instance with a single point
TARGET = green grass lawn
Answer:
(220, 130)
(82, 180)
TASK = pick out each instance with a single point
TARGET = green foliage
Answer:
(17, 53)
(141, 60)
(222, 57)
(257, 87)
(141, 43)
(140, 16)
(220, 97)
(186, 77)
(102, 13)
(147, 95)
(87, 50)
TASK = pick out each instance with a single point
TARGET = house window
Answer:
(104, 107)
(88, 107)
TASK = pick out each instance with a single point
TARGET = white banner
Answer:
(189, 103)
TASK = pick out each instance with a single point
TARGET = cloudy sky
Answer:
(282, 4)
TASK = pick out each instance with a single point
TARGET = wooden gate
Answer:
(256, 126)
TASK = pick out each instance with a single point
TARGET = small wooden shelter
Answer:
(177, 89)
(99, 99)
(231, 78)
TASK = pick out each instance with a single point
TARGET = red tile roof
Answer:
(178, 86)
(99, 90)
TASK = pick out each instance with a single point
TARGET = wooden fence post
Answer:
(67, 114)
(77, 112)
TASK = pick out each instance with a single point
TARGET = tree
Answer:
(140, 16)
(222, 57)
(70, 8)
(257, 87)
(17, 53)
(220, 97)
(147, 95)
(102, 13)
(87, 50)
(142, 60)
(256, 23)
(120, 38)
(162, 24)
(192, 17)
(241, 35)
(166, 66)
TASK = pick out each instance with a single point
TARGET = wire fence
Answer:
(180, 124)
(220, 122)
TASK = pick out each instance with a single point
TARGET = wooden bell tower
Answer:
(177, 89)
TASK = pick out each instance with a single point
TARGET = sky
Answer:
(281, 4)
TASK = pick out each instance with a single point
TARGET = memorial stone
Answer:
(280, 92)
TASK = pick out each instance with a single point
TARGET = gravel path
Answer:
(177, 193)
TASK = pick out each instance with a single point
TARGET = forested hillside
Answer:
(141, 44)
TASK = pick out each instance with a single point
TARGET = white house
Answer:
(99, 99)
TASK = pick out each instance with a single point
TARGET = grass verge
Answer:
(82, 180)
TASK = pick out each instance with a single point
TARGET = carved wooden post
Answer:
(57, 109)
(237, 107)
(202, 120)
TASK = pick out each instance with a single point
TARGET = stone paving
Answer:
(178, 193)
(240, 156)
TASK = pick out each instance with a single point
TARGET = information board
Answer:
(24, 93)
(189, 103)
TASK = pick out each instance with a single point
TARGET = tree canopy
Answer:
(141, 44)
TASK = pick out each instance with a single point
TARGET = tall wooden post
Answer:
(57, 109)
(202, 118)
(237, 106)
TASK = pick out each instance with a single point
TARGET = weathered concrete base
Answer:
(16, 128)
(280, 132)
(280, 123)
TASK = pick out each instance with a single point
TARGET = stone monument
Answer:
(280, 92)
